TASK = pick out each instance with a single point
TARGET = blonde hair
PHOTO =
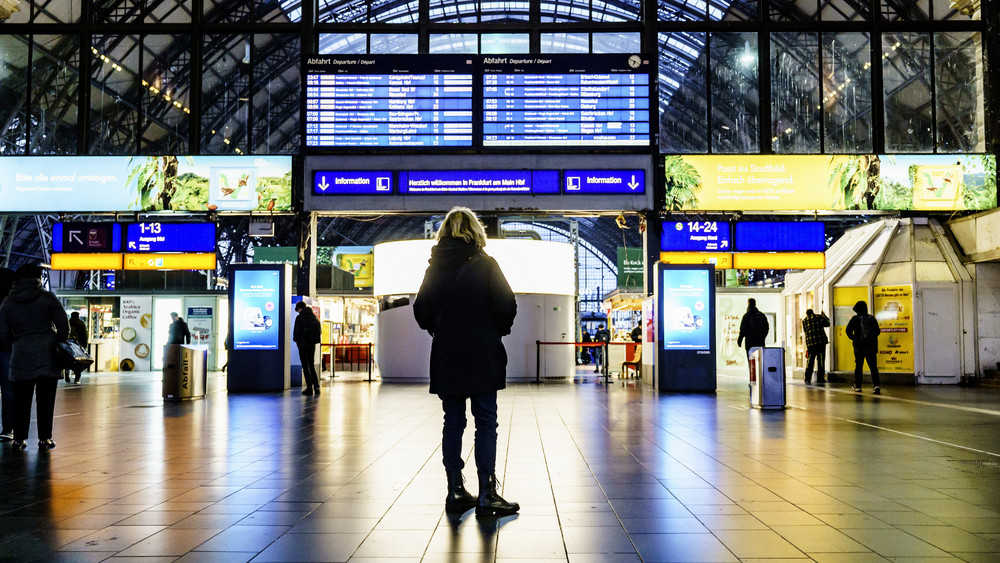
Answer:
(462, 223)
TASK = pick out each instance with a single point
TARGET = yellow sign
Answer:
(844, 299)
(189, 261)
(893, 307)
(360, 265)
(71, 261)
(721, 260)
(936, 187)
(779, 260)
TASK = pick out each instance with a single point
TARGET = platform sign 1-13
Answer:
(86, 237)
(170, 237)
(695, 236)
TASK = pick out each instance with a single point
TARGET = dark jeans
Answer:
(816, 353)
(484, 410)
(307, 355)
(7, 406)
(860, 357)
(23, 391)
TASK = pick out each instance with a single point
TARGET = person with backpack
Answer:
(863, 330)
(601, 335)
(753, 327)
(814, 329)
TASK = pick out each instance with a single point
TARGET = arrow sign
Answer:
(633, 184)
(79, 236)
(74, 237)
(323, 185)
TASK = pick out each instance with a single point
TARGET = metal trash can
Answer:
(185, 374)
(767, 378)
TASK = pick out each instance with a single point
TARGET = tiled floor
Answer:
(603, 474)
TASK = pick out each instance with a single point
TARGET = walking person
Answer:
(753, 327)
(814, 329)
(863, 330)
(31, 321)
(6, 387)
(306, 334)
(601, 335)
(466, 304)
(179, 332)
(77, 331)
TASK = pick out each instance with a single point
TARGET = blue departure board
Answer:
(566, 101)
(402, 101)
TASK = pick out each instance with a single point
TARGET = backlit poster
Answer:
(136, 314)
(686, 321)
(199, 320)
(844, 299)
(893, 307)
(256, 295)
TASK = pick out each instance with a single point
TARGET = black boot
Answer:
(458, 499)
(490, 503)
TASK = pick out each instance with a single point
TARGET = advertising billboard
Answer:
(256, 306)
(145, 183)
(687, 321)
(932, 182)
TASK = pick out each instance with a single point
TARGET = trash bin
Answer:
(184, 371)
(767, 378)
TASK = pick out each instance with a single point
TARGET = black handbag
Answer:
(70, 355)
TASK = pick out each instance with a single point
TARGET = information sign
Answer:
(256, 306)
(86, 237)
(780, 236)
(187, 261)
(605, 182)
(383, 101)
(352, 182)
(495, 182)
(566, 100)
(695, 236)
(687, 315)
(170, 237)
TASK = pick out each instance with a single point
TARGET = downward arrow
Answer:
(633, 184)
(323, 185)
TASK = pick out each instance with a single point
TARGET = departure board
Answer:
(566, 101)
(406, 101)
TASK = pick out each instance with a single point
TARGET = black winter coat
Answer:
(467, 305)
(307, 330)
(31, 320)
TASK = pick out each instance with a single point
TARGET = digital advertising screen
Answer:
(695, 236)
(566, 101)
(687, 309)
(495, 182)
(256, 306)
(402, 101)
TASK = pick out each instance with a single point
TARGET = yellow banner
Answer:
(779, 260)
(71, 261)
(721, 260)
(893, 307)
(188, 261)
(844, 299)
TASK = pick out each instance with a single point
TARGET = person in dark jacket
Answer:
(6, 387)
(814, 329)
(31, 321)
(179, 333)
(306, 334)
(601, 335)
(466, 304)
(863, 330)
(753, 327)
(77, 331)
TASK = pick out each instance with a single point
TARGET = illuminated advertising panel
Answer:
(687, 319)
(695, 236)
(145, 183)
(933, 182)
(256, 306)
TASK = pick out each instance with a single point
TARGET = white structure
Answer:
(542, 277)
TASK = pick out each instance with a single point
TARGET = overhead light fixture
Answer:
(747, 58)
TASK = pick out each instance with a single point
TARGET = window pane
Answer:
(63, 11)
(453, 11)
(617, 43)
(960, 10)
(55, 91)
(504, 10)
(795, 109)
(343, 44)
(276, 86)
(165, 94)
(682, 93)
(174, 11)
(565, 42)
(793, 10)
(959, 92)
(342, 11)
(455, 43)
(616, 11)
(908, 10)
(393, 44)
(740, 10)
(906, 80)
(114, 100)
(504, 43)
(395, 12)
(566, 11)
(846, 10)
(735, 120)
(847, 93)
(681, 10)
(225, 93)
(113, 12)
(282, 11)
(227, 11)
(13, 92)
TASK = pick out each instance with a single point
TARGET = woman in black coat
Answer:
(466, 304)
(31, 321)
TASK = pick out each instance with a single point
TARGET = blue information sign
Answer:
(695, 236)
(352, 182)
(256, 306)
(780, 236)
(170, 237)
(605, 182)
(491, 182)
(86, 237)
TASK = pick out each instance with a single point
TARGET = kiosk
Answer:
(685, 300)
(260, 297)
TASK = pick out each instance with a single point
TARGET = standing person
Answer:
(6, 388)
(585, 353)
(466, 304)
(753, 327)
(31, 321)
(863, 330)
(813, 327)
(306, 334)
(77, 331)
(636, 333)
(179, 333)
(601, 335)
